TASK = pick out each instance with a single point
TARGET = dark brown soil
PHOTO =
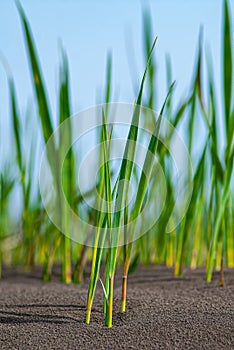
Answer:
(163, 313)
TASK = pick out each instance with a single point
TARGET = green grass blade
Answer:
(148, 163)
(105, 193)
(227, 63)
(146, 171)
(65, 140)
(127, 163)
(219, 218)
(108, 78)
(37, 77)
(16, 125)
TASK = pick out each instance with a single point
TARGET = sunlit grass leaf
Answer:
(37, 77)
(227, 63)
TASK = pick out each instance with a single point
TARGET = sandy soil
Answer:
(163, 313)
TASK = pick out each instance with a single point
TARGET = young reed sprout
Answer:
(204, 236)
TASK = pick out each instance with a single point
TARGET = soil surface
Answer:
(163, 312)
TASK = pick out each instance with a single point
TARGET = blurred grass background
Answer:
(200, 106)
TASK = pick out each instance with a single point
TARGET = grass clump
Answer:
(202, 237)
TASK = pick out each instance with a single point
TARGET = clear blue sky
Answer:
(88, 29)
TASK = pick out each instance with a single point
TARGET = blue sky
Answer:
(89, 29)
